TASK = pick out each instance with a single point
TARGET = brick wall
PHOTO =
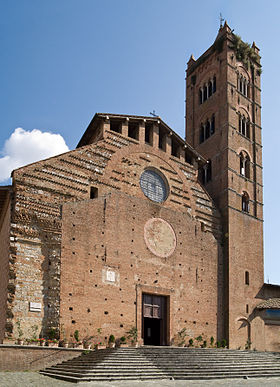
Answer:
(4, 272)
(108, 234)
(19, 358)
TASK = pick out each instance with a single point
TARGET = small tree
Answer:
(77, 335)
(223, 343)
(20, 331)
(123, 340)
(111, 339)
(181, 337)
(133, 335)
(34, 330)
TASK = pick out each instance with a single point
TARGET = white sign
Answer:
(35, 307)
(110, 276)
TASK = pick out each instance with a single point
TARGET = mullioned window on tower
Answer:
(207, 90)
(207, 128)
(243, 85)
(244, 126)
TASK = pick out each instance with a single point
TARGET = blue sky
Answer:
(64, 60)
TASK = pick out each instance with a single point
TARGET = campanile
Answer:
(223, 123)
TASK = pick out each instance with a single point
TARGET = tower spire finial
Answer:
(221, 20)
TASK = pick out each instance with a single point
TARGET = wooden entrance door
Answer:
(154, 319)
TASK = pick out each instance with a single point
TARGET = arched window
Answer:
(247, 280)
(205, 93)
(209, 171)
(207, 129)
(214, 84)
(244, 164)
(200, 96)
(201, 134)
(210, 91)
(212, 131)
(247, 129)
(245, 202)
(207, 90)
(244, 125)
(206, 172)
(242, 85)
(207, 132)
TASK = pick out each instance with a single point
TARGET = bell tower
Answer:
(223, 123)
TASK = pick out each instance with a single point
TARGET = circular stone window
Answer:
(154, 186)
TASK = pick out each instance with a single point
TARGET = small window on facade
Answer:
(161, 139)
(93, 192)
(206, 172)
(116, 126)
(149, 133)
(188, 157)
(175, 148)
(246, 278)
(245, 202)
(133, 130)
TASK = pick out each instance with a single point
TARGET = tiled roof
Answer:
(271, 303)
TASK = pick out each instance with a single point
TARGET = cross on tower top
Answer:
(221, 20)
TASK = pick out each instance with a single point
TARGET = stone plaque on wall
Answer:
(35, 306)
(110, 276)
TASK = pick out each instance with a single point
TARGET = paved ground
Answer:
(22, 379)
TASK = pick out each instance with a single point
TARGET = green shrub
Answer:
(76, 335)
(112, 339)
(224, 343)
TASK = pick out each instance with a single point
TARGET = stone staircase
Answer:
(148, 363)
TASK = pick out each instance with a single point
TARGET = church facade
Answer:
(138, 228)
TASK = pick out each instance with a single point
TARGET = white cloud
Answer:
(25, 147)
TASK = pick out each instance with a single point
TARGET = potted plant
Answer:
(34, 341)
(133, 336)
(78, 343)
(63, 342)
(100, 345)
(87, 341)
(123, 343)
(199, 340)
(112, 341)
(42, 341)
(34, 336)
(20, 333)
(52, 343)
